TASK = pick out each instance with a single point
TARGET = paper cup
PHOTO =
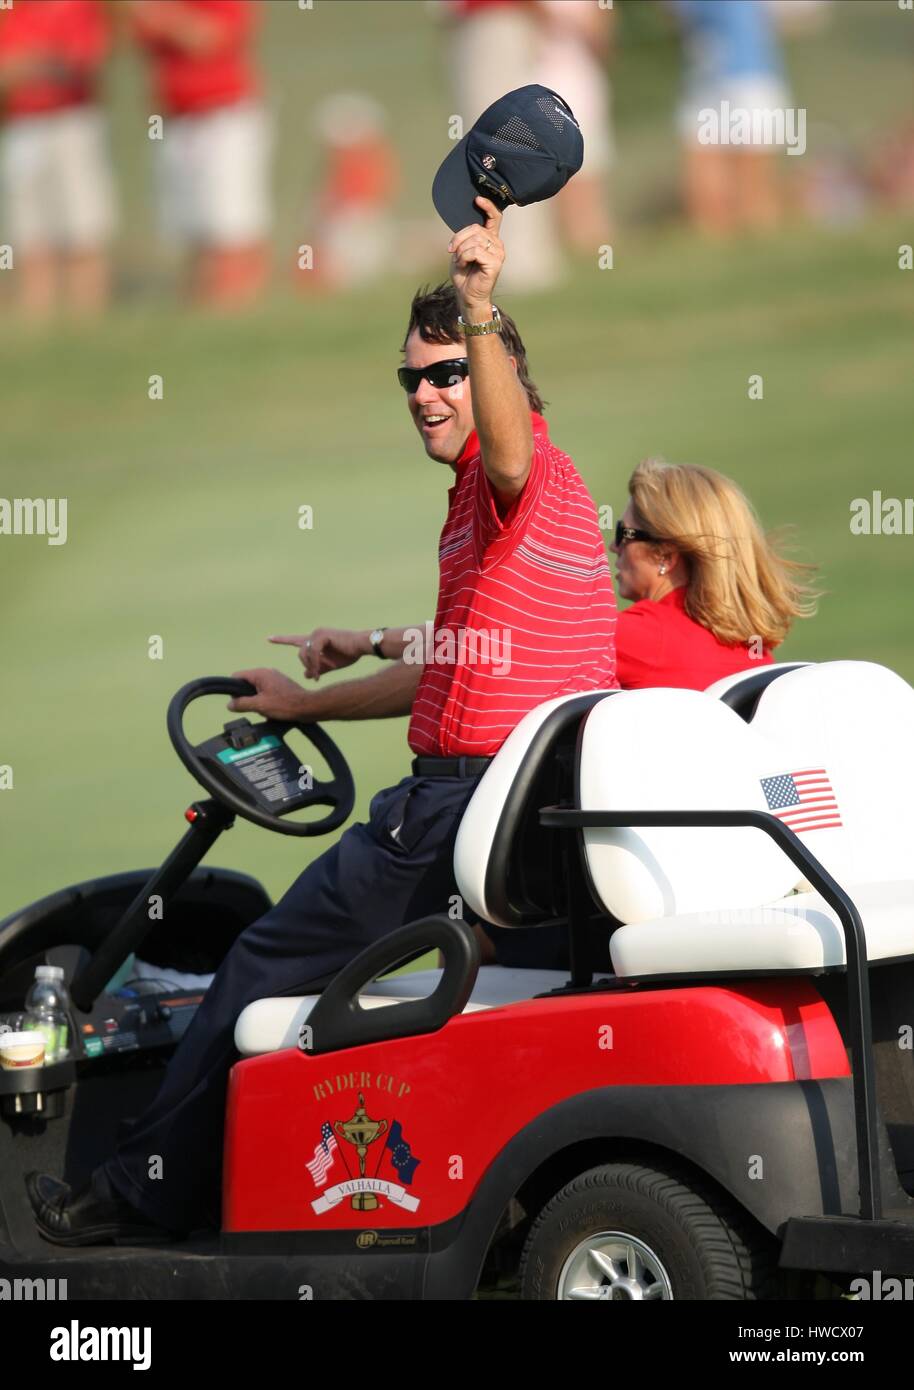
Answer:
(21, 1050)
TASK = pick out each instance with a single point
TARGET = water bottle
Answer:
(48, 1007)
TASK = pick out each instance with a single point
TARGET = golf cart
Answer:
(726, 1114)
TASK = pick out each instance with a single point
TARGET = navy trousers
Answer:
(396, 868)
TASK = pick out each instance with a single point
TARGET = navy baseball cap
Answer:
(524, 148)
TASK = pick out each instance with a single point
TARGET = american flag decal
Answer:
(802, 800)
(324, 1156)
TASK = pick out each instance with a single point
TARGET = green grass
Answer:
(183, 513)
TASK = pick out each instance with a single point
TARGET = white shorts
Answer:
(763, 93)
(356, 246)
(56, 185)
(214, 176)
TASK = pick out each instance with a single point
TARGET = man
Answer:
(731, 61)
(522, 556)
(214, 157)
(56, 185)
(492, 46)
(575, 49)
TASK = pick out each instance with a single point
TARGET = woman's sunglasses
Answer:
(630, 533)
(438, 374)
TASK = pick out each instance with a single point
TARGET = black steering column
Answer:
(250, 771)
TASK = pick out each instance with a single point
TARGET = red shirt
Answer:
(462, 9)
(185, 82)
(366, 175)
(526, 609)
(657, 643)
(71, 34)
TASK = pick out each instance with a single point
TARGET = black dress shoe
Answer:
(95, 1215)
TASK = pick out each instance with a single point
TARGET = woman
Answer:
(712, 595)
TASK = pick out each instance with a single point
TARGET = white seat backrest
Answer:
(662, 749)
(855, 720)
(480, 820)
(728, 683)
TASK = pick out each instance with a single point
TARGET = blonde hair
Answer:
(739, 584)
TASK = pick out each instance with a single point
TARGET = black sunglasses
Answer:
(439, 374)
(630, 533)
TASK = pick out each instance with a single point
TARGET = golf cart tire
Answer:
(708, 1248)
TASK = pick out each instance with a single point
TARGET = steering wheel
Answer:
(253, 772)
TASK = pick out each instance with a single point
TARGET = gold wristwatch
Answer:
(375, 637)
(471, 330)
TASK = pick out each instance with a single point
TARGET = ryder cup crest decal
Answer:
(370, 1161)
(488, 161)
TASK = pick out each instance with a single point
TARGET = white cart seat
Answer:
(796, 933)
(271, 1024)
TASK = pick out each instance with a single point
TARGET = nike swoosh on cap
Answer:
(567, 117)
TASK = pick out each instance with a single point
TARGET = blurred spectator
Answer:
(214, 158)
(495, 49)
(731, 55)
(355, 229)
(834, 190)
(800, 18)
(892, 167)
(56, 187)
(575, 42)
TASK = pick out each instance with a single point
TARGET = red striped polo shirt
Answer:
(526, 610)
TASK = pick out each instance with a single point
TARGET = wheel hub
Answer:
(614, 1266)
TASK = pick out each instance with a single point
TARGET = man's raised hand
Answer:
(477, 256)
